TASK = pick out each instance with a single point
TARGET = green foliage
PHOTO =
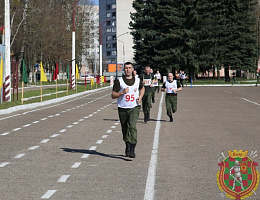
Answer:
(185, 34)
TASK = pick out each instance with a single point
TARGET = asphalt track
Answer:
(73, 149)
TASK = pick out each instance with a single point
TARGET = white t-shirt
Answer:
(171, 86)
(128, 100)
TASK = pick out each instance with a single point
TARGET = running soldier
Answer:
(158, 77)
(129, 92)
(147, 79)
(171, 87)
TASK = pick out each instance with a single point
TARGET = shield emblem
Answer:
(238, 177)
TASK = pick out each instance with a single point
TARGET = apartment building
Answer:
(116, 40)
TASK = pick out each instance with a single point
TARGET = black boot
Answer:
(148, 117)
(132, 151)
(171, 119)
(145, 118)
(127, 149)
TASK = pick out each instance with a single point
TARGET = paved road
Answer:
(74, 149)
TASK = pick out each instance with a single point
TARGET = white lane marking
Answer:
(19, 155)
(48, 194)
(69, 126)
(85, 155)
(43, 119)
(16, 129)
(76, 165)
(6, 133)
(90, 115)
(116, 123)
(63, 130)
(93, 148)
(150, 182)
(75, 123)
(26, 125)
(4, 164)
(99, 141)
(45, 140)
(63, 178)
(55, 135)
(86, 117)
(113, 126)
(98, 110)
(57, 114)
(104, 136)
(109, 131)
(250, 101)
(81, 120)
(51, 116)
(33, 148)
(35, 122)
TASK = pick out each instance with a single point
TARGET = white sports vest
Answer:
(170, 86)
(128, 100)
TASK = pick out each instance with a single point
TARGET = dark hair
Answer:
(128, 63)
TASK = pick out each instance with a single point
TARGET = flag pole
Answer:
(41, 90)
(22, 92)
(56, 87)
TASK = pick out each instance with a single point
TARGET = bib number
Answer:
(129, 98)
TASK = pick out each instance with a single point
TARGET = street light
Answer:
(73, 46)
(116, 49)
(100, 46)
(123, 50)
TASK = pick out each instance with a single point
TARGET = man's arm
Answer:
(115, 95)
(141, 94)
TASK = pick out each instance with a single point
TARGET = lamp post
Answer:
(73, 46)
(116, 49)
(100, 46)
(123, 50)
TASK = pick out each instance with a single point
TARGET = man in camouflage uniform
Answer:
(171, 87)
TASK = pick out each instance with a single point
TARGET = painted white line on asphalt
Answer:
(16, 129)
(43, 119)
(6, 133)
(99, 141)
(150, 182)
(76, 165)
(55, 135)
(81, 120)
(98, 110)
(104, 136)
(25, 113)
(57, 114)
(250, 101)
(85, 156)
(113, 126)
(63, 178)
(26, 125)
(45, 140)
(75, 123)
(86, 117)
(63, 130)
(93, 148)
(95, 113)
(69, 126)
(90, 115)
(48, 194)
(33, 148)
(19, 155)
(51, 116)
(35, 122)
(109, 131)
(116, 123)
(4, 164)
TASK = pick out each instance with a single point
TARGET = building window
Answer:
(109, 38)
(113, 53)
(108, 45)
(113, 6)
(114, 14)
(114, 37)
(108, 7)
(108, 53)
(108, 23)
(114, 45)
(108, 15)
(113, 29)
(108, 30)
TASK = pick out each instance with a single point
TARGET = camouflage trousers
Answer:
(128, 118)
(171, 104)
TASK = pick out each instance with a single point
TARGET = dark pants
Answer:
(146, 102)
(157, 88)
(171, 104)
(153, 93)
(128, 119)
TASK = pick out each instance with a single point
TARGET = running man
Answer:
(129, 92)
(171, 87)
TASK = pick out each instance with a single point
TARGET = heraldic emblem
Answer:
(237, 178)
